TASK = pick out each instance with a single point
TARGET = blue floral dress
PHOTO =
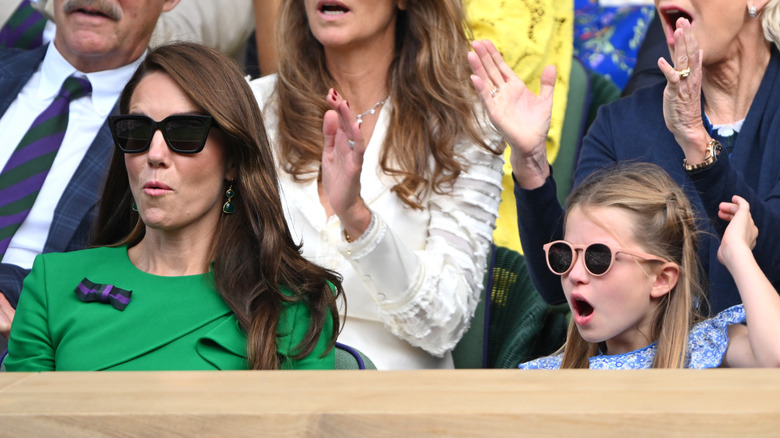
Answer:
(707, 343)
(607, 38)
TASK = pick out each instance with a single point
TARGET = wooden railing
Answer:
(485, 403)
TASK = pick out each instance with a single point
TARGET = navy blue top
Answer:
(633, 129)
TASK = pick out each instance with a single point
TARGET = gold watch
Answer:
(713, 152)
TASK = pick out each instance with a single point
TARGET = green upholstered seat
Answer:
(515, 324)
(349, 358)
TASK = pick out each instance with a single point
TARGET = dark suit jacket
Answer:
(77, 208)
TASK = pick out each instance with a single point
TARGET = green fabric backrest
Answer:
(346, 360)
(574, 125)
(602, 91)
(469, 353)
(522, 325)
(588, 90)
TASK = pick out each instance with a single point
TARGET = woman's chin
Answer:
(156, 220)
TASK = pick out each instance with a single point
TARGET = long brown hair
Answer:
(665, 224)
(255, 253)
(433, 102)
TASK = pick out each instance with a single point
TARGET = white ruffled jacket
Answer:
(413, 280)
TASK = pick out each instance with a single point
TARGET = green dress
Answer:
(170, 323)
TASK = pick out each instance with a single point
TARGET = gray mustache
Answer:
(106, 8)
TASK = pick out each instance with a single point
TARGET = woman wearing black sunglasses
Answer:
(194, 267)
(629, 269)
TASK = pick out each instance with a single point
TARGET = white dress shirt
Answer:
(87, 116)
(414, 278)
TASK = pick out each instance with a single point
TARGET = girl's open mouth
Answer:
(581, 307)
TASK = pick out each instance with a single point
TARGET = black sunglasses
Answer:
(598, 257)
(184, 134)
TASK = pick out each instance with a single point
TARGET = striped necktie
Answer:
(26, 170)
(24, 29)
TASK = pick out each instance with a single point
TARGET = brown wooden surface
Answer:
(392, 403)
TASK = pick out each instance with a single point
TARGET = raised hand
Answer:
(522, 117)
(682, 95)
(342, 163)
(753, 345)
(740, 236)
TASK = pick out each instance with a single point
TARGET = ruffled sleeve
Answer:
(543, 363)
(708, 341)
(428, 296)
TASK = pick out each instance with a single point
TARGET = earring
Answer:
(752, 11)
(228, 207)
(135, 207)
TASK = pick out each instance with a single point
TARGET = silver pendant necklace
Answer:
(360, 116)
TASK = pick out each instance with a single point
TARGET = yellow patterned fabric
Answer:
(530, 34)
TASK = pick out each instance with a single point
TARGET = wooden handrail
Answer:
(392, 403)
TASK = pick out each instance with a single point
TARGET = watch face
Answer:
(715, 148)
(713, 152)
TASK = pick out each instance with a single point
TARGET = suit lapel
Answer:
(77, 208)
(756, 134)
(15, 70)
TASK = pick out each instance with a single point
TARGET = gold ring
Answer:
(684, 73)
(494, 91)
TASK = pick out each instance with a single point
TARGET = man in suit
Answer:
(225, 25)
(102, 41)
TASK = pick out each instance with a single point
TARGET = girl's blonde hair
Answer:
(665, 224)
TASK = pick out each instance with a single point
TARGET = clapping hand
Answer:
(342, 163)
(522, 117)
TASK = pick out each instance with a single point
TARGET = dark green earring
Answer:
(135, 207)
(228, 207)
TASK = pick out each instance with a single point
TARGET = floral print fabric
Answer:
(707, 344)
(607, 38)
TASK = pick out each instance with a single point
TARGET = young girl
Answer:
(630, 272)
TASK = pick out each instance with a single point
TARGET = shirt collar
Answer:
(107, 85)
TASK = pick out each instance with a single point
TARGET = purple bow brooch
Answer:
(88, 292)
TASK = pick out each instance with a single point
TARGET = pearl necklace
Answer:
(359, 117)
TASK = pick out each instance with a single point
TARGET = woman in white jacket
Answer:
(390, 174)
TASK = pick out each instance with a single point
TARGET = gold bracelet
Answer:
(713, 152)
